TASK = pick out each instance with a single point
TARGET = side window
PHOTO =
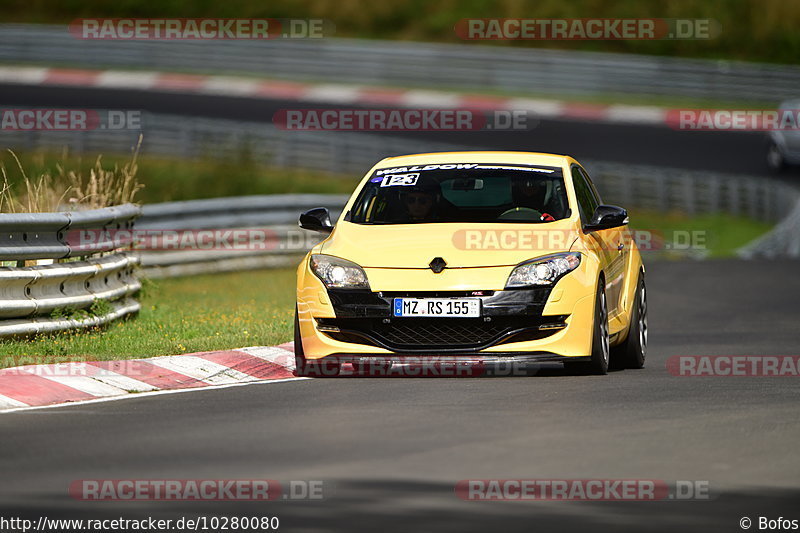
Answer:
(592, 187)
(584, 191)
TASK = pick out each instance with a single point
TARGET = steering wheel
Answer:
(521, 213)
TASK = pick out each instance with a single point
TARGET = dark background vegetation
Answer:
(755, 30)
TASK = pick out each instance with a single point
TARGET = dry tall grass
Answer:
(70, 189)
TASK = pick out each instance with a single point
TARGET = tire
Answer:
(633, 351)
(304, 367)
(775, 161)
(598, 364)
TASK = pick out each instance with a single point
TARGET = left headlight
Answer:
(543, 270)
(338, 273)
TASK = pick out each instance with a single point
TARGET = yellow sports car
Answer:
(495, 256)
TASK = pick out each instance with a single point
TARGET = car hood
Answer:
(460, 245)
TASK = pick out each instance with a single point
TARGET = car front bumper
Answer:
(539, 324)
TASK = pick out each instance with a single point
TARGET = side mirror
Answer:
(317, 219)
(605, 217)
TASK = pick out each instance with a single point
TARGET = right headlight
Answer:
(338, 273)
(543, 270)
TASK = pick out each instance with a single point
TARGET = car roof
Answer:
(529, 158)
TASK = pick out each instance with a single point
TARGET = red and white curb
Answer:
(54, 384)
(329, 93)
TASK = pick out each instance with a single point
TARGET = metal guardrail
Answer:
(693, 192)
(663, 189)
(71, 284)
(782, 241)
(231, 212)
(45, 235)
(39, 325)
(272, 217)
(462, 66)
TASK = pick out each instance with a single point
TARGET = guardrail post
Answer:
(733, 197)
(689, 186)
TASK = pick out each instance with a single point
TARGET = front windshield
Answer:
(464, 192)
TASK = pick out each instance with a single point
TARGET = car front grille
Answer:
(441, 334)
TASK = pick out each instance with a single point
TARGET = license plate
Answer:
(444, 307)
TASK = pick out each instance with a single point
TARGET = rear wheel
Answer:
(598, 364)
(633, 351)
(304, 367)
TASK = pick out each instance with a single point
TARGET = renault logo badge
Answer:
(437, 265)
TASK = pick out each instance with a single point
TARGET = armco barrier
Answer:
(44, 235)
(47, 283)
(274, 215)
(467, 66)
(782, 241)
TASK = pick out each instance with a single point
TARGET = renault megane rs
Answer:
(487, 255)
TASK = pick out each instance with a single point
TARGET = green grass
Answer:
(719, 234)
(756, 30)
(179, 316)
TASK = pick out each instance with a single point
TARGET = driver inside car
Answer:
(420, 200)
(531, 194)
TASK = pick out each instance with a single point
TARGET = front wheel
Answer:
(633, 351)
(598, 364)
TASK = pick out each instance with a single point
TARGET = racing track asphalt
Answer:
(391, 450)
(740, 152)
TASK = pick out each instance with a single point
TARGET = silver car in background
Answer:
(783, 146)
